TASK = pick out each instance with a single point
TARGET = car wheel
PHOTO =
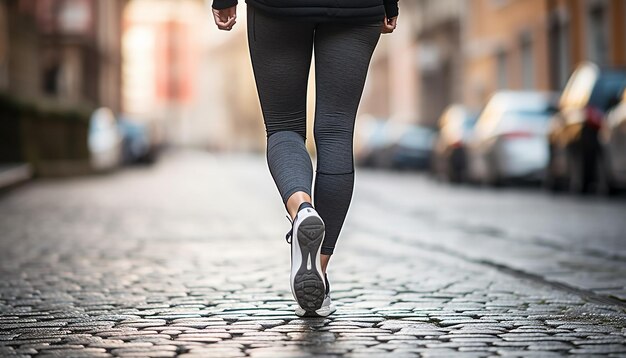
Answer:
(606, 186)
(493, 179)
(578, 180)
(552, 181)
(453, 174)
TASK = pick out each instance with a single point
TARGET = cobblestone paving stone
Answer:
(187, 258)
(582, 237)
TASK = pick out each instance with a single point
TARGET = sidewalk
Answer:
(14, 173)
(188, 258)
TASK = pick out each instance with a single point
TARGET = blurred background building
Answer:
(181, 72)
(536, 44)
(163, 64)
(67, 51)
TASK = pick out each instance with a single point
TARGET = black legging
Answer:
(281, 57)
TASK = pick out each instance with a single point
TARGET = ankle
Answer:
(295, 201)
(324, 261)
(304, 205)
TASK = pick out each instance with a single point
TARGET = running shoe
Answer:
(327, 307)
(306, 236)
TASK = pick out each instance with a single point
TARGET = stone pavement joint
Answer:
(160, 262)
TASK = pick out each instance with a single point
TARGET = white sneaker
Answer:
(326, 310)
(327, 307)
(307, 281)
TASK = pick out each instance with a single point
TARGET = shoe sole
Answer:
(322, 312)
(308, 283)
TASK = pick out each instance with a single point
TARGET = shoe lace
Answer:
(290, 233)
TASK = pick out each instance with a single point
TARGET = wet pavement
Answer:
(187, 258)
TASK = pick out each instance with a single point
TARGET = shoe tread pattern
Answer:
(308, 284)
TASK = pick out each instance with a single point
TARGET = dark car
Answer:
(449, 152)
(394, 145)
(574, 146)
(137, 142)
(413, 150)
(612, 168)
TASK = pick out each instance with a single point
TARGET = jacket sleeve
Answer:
(223, 4)
(391, 8)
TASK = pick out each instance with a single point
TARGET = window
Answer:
(499, 3)
(597, 34)
(503, 78)
(559, 53)
(528, 68)
(50, 80)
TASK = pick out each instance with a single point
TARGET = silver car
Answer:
(612, 168)
(510, 137)
(449, 151)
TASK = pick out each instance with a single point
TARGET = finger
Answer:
(223, 15)
(392, 23)
(225, 28)
(223, 24)
(230, 22)
(218, 21)
(385, 27)
(230, 12)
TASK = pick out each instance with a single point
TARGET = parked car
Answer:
(414, 148)
(393, 145)
(573, 136)
(509, 141)
(137, 143)
(449, 151)
(104, 140)
(374, 140)
(612, 168)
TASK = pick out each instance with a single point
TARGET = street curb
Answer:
(14, 174)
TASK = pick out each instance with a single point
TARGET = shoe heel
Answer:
(308, 283)
(311, 235)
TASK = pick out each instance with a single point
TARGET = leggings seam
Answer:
(275, 143)
(285, 130)
(327, 250)
(320, 172)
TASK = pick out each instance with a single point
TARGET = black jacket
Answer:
(323, 10)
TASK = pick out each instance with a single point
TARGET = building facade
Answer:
(506, 47)
(535, 45)
(439, 35)
(62, 51)
(585, 30)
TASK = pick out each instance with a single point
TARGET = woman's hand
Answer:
(225, 19)
(389, 25)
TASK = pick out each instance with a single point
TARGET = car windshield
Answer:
(468, 125)
(608, 88)
(527, 115)
(469, 122)
(417, 137)
(524, 120)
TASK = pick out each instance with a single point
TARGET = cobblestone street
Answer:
(188, 258)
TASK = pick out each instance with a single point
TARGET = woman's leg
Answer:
(342, 56)
(281, 51)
